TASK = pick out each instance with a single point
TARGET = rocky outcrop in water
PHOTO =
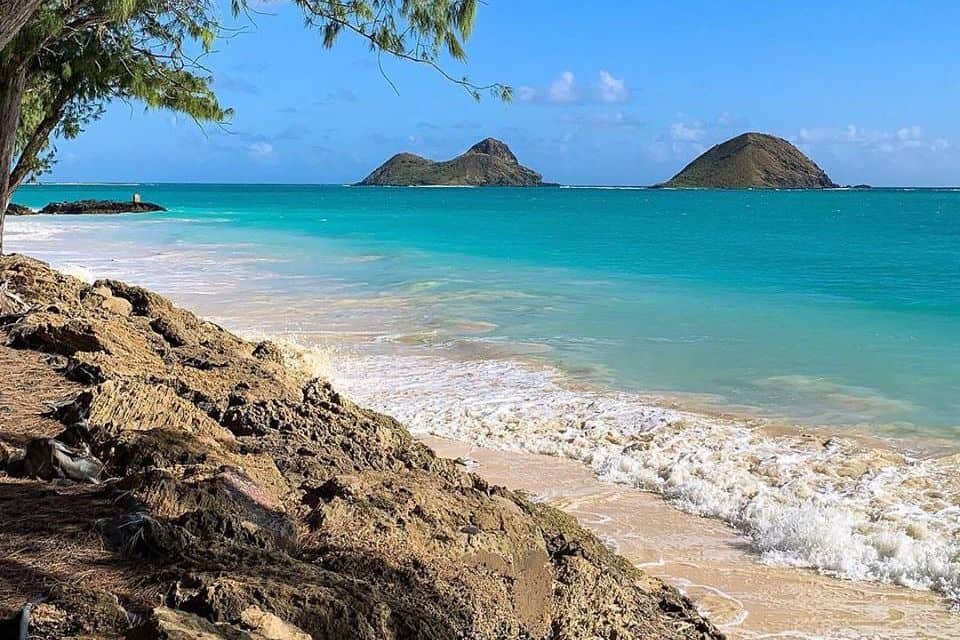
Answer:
(166, 479)
(487, 163)
(19, 210)
(752, 161)
(101, 207)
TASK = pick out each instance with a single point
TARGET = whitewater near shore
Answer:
(709, 562)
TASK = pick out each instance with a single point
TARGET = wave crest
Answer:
(837, 505)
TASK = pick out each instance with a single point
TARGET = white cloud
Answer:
(850, 134)
(526, 94)
(910, 133)
(566, 90)
(260, 150)
(686, 132)
(611, 89)
(727, 120)
(909, 137)
(563, 89)
(610, 119)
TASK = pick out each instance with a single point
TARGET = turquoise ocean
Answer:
(734, 351)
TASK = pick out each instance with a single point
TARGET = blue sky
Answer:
(606, 93)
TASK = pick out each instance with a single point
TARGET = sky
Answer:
(609, 92)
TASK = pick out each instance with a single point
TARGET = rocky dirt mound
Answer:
(165, 479)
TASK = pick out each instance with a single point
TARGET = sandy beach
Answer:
(711, 563)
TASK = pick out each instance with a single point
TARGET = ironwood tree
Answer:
(69, 58)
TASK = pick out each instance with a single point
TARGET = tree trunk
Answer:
(12, 83)
(13, 15)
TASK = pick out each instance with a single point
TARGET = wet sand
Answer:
(712, 564)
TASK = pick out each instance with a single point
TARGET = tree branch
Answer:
(40, 136)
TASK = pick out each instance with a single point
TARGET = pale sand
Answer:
(711, 563)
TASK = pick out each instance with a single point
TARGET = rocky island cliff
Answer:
(752, 161)
(487, 163)
(162, 478)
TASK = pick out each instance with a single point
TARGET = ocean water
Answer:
(728, 350)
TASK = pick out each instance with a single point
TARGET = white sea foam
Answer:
(25, 231)
(835, 504)
(79, 272)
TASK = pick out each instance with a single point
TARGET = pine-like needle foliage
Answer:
(79, 56)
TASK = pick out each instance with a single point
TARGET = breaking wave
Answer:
(838, 505)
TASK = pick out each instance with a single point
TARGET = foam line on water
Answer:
(832, 504)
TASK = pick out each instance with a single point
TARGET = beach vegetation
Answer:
(70, 58)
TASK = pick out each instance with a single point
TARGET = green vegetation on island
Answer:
(752, 161)
(487, 163)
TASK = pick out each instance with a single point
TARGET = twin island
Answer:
(748, 161)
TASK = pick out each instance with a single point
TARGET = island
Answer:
(487, 163)
(752, 161)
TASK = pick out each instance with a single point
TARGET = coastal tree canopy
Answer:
(70, 58)
(13, 15)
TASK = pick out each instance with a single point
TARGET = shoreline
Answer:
(798, 497)
(709, 562)
(872, 462)
(162, 476)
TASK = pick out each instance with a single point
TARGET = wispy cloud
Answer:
(563, 89)
(566, 89)
(687, 132)
(611, 89)
(727, 120)
(260, 150)
(342, 94)
(879, 140)
(295, 132)
(526, 93)
(607, 119)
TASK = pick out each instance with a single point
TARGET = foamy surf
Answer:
(833, 504)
